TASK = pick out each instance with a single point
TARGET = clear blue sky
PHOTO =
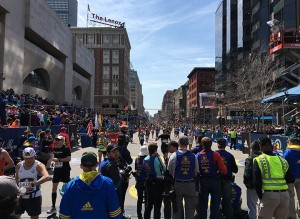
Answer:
(168, 39)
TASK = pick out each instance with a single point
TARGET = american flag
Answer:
(90, 128)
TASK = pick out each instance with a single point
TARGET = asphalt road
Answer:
(130, 202)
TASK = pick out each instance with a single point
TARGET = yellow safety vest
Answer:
(232, 134)
(273, 170)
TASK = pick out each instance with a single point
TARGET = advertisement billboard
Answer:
(207, 100)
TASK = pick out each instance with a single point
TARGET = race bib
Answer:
(165, 141)
(58, 164)
(24, 184)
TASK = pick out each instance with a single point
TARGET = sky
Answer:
(168, 38)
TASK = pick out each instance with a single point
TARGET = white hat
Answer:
(143, 151)
(59, 137)
(28, 152)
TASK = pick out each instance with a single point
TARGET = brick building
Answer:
(201, 80)
(111, 48)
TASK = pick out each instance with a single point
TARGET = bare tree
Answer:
(251, 80)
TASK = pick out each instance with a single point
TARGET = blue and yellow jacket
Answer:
(91, 196)
(292, 156)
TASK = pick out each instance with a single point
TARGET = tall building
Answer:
(241, 27)
(66, 9)
(35, 59)
(168, 105)
(180, 102)
(136, 98)
(201, 80)
(111, 48)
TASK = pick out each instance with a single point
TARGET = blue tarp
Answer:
(292, 94)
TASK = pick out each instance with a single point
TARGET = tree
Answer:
(251, 80)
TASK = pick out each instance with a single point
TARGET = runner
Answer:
(6, 161)
(102, 144)
(60, 162)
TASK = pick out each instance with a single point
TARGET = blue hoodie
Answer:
(292, 156)
(91, 196)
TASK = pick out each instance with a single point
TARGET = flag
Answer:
(100, 120)
(126, 107)
(96, 122)
(90, 129)
(89, 7)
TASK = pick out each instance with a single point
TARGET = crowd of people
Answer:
(192, 174)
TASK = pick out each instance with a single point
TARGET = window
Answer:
(106, 84)
(115, 101)
(106, 56)
(115, 72)
(105, 105)
(115, 92)
(105, 92)
(37, 78)
(106, 38)
(116, 39)
(105, 72)
(115, 56)
(77, 93)
(90, 38)
(80, 37)
(105, 101)
(115, 106)
(115, 84)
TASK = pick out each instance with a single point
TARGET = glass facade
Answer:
(219, 38)
(231, 20)
(66, 10)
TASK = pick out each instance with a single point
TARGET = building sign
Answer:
(245, 114)
(105, 20)
(207, 100)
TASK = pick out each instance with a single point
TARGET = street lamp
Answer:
(219, 97)
(194, 108)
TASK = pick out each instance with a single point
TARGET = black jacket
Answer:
(248, 172)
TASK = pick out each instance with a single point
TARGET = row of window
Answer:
(106, 92)
(115, 56)
(97, 39)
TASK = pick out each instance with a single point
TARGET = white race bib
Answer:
(58, 164)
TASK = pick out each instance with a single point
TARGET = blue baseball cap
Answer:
(32, 138)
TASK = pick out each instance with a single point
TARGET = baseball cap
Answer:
(63, 128)
(143, 151)
(183, 140)
(8, 187)
(89, 159)
(28, 152)
(59, 137)
(48, 130)
(111, 147)
(32, 138)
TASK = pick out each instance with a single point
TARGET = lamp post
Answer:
(219, 97)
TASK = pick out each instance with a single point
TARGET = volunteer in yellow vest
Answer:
(271, 174)
(233, 136)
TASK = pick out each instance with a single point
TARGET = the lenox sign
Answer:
(106, 20)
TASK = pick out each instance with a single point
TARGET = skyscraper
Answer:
(66, 10)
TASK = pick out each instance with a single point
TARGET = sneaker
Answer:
(51, 211)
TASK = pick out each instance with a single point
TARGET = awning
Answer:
(292, 94)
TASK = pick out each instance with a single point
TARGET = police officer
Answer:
(231, 166)
(292, 156)
(210, 165)
(252, 197)
(153, 169)
(233, 136)
(271, 174)
(184, 168)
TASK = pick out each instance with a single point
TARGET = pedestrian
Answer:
(154, 168)
(231, 166)
(292, 156)
(102, 144)
(66, 136)
(252, 197)
(233, 136)
(30, 174)
(271, 174)
(110, 169)
(8, 197)
(90, 195)
(141, 137)
(61, 162)
(140, 180)
(211, 166)
(198, 147)
(184, 168)
(165, 138)
(6, 162)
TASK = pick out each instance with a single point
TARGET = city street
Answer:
(130, 203)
